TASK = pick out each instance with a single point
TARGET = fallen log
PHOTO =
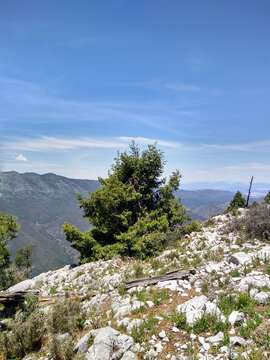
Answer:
(11, 299)
(173, 275)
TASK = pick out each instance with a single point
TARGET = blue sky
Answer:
(80, 79)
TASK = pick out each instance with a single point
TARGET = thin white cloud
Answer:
(21, 157)
(46, 143)
(262, 146)
(21, 100)
(249, 167)
(237, 172)
(165, 85)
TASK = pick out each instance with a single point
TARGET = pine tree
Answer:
(8, 231)
(267, 198)
(237, 202)
(132, 210)
(23, 259)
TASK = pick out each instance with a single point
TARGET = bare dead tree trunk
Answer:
(249, 191)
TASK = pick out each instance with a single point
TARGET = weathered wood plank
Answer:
(173, 275)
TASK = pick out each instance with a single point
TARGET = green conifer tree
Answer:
(267, 198)
(132, 210)
(237, 202)
(8, 231)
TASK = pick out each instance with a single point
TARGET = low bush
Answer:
(254, 224)
(65, 316)
(61, 350)
(25, 336)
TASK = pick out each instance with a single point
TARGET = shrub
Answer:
(262, 334)
(25, 335)
(61, 350)
(65, 316)
(193, 226)
(138, 270)
(254, 224)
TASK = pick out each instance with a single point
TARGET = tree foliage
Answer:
(8, 231)
(237, 202)
(132, 210)
(267, 198)
(23, 259)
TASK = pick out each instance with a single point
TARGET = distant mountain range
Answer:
(42, 203)
(259, 189)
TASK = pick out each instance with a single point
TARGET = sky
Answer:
(80, 79)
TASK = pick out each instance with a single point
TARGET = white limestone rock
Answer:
(264, 253)
(262, 297)
(82, 344)
(238, 341)
(162, 334)
(129, 355)
(240, 258)
(256, 280)
(236, 318)
(193, 308)
(216, 339)
(22, 286)
(108, 344)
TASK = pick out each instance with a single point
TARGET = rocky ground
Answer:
(220, 312)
